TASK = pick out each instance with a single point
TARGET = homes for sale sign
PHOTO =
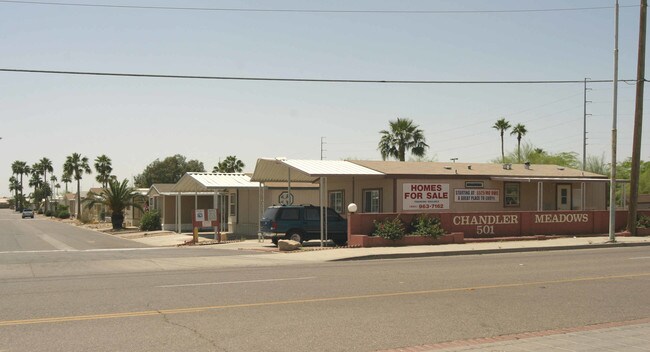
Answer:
(422, 196)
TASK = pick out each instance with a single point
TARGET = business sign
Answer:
(201, 221)
(423, 196)
(476, 195)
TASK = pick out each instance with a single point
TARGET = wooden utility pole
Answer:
(638, 122)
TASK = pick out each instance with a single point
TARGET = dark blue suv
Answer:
(302, 223)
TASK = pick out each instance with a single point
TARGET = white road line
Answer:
(238, 282)
(639, 258)
(85, 250)
(56, 243)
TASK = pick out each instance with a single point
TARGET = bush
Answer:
(424, 225)
(391, 229)
(150, 221)
(49, 213)
(643, 221)
(63, 212)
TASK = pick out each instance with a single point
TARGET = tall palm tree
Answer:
(117, 197)
(104, 168)
(46, 166)
(229, 165)
(402, 136)
(65, 178)
(520, 131)
(75, 166)
(20, 168)
(502, 125)
(53, 179)
(14, 186)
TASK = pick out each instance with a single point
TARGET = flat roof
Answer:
(204, 181)
(281, 170)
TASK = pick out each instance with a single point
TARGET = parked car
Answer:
(28, 213)
(302, 223)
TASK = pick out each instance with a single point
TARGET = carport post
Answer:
(322, 222)
(214, 205)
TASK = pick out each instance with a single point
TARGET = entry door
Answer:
(563, 197)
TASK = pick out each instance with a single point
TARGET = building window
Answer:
(371, 201)
(233, 204)
(511, 194)
(337, 200)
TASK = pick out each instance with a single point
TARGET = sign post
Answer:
(206, 218)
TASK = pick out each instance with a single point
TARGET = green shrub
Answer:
(643, 221)
(428, 226)
(391, 229)
(49, 213)
(63, 214)
(150, 221)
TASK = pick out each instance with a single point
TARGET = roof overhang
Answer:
(211, 182)
(553, 179)
(283, 170)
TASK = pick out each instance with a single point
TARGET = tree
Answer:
(117, 197)
(502, 126)
(14, 186)
(402, 136)
(45, 165)
(20, 168)
(538, 156)
(169, 170)
(104, 168)
(65, 178)
(519, 130)
(75, 166)
(229, 165)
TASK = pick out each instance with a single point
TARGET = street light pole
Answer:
(612, 182)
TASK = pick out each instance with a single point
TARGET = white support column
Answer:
(583, 195)
(178, 213)
(215, 198)
(322, 222)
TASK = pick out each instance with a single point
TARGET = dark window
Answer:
(511, 194)
(311, 214)
(371, 201)
(290, 214)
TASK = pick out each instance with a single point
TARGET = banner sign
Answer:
(422, 196)
(201, 221)
(476, 195)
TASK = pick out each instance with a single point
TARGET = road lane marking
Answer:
(301, 301)
(237, 282)
(55, 243)
(85, 250)
(636, 258)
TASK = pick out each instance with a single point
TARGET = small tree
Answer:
(519, 130)
(229, 165)
(403, 135)
(116, 197)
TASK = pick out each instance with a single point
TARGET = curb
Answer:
(491, 251)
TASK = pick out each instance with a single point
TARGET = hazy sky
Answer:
(136, 120)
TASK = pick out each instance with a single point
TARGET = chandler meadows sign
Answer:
(518, 223)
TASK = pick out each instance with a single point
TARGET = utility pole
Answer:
(584, 127)
(638, 122)
(322, 144)
(612, 181)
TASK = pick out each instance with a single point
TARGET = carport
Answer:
(312, 171)
(225, 188)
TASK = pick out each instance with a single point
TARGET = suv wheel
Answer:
(295, 236)
(340, 241)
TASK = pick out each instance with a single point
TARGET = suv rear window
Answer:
(311, 214)
(290, 214)
(270, 213)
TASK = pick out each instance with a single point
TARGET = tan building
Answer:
(238, 200)
(392, 186)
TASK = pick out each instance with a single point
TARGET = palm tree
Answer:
(403, 135)
(46, 165)
(14, 186)
(117, 197)
(20, 168)
(75, 166)
(104, 168)
(229, 165)
(502, 125)
(520, 131)
(65, 178)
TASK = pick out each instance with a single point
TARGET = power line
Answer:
(281, 79)
(223, 9)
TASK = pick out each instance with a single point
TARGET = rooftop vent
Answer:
(469, 167)
(447, 167)
(560, 168)
(527, 165)
(507, 166)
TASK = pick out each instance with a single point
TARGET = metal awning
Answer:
(206, 182)
(277, 170)
(552, 179)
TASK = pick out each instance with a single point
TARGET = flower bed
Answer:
(376, 241)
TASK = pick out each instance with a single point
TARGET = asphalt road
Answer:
(258, 304)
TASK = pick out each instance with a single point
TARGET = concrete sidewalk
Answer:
(313, 252)
(616, 336)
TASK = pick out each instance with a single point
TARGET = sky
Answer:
(136, 120)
